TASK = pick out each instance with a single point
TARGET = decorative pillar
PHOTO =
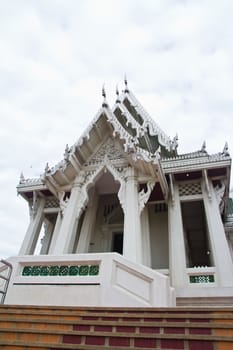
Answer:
(66, 236)
(230, 242)
(219, 246)
(48, 228)
(88, 224)
(177, 255)
(30, 240)
(145, 230)
(55, 233)
(132, 245)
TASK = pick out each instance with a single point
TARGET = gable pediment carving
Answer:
(110, 150)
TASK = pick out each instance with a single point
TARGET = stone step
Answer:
(119, 328)
(117, 312)
(109, 325)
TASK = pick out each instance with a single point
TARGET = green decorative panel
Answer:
(54, 270)
(73, 270)
(202, 279)
(27, 270)
(44, 270)
(61, 270)
(64, 270)
(35, 271)
(83, 270)
(94, 270)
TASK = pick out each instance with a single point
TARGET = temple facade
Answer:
(124, 219)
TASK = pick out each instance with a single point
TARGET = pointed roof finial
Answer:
(117, 93)
(21, 179)
(46, 168)
(104, 104)
(174, 142)
(66, 154)
(126, 84)
(203, 147)
(103, 92)
(225, 149)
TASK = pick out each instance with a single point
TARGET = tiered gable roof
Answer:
(143, 144)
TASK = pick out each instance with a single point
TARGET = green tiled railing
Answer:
(61, 270)
(201, 279)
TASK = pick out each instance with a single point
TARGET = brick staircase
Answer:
(45, 328)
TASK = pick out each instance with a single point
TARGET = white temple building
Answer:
(125, 220)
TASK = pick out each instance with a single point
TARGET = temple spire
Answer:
(47, 168)
(104, 104)
(126, 84)
(203, 147)
(117, 93)
(66, 154)
(22, 179)
(225, 149)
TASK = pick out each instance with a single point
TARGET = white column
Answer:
(49, 226)
(219, 246)
(145, 231)
(66, 236)
(33, 231)
(88, 224)
(132, 245)
(177, 256)
(230, 243)
(55, 233)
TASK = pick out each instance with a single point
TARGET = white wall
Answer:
(159, 238)
(119, 282)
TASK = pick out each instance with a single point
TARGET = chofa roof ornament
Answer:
(104, 104)
(126, 84)
(117, 93)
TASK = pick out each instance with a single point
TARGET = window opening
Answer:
(117, 242)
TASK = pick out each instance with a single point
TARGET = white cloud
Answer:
(55, 56)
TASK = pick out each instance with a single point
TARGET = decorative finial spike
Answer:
(225, 149)
(21, 179)
(126, 84)
(66, 154)
(103, 92)
(47, 168)
(203, 148)
(117, 93)
(104, 104)
(174, 142)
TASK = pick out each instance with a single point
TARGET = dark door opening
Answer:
(196, 234)
(117, 242)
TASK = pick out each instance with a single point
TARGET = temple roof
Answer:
(141, 141)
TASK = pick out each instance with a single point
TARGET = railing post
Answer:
(6, 280)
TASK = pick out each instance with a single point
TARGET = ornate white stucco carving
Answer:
(117, 173)
(63, 201)
(109, 149)
(129, 141)
(143, 195)
(220, 191)
(149, 123)
(86, 133)
(81, 183)
(144, 155)
(33, 205)
(83, 199)
(140, 130)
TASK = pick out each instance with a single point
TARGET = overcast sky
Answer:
(55, 56)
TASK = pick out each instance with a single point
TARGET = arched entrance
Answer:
(101, 229)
